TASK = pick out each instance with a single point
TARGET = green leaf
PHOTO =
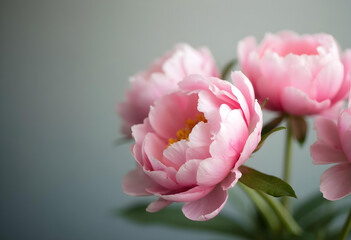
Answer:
(173, 217)
(228, 68)
(310, 205)
(266, 183)
(285, 217)
(272, 124)
(265, 136)
(325, 220)
(299, 128)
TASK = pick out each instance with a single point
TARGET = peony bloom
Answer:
(333, 146)
(161, 77)
(301, 75)
(192, 144)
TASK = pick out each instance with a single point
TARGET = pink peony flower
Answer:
(300, 75)
(191, 145)
(161, 77)
(333, 146)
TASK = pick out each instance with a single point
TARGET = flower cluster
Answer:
(193, 131)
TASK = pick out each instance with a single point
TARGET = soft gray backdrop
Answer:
(63, 67)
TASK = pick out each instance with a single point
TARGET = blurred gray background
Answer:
(65, 64)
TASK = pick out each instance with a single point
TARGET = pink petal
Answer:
(209, 65)
(344, 124)
(186, 175)
(245, 87)
(153, 146)
(213, 170)
(334, 111)
(346, 143)
(200, 135)
(135, 182)
(209, 105)
(245, 104)
(139, 131)
(173, 67)
(297, 102)
(175, 154)
(335, 182)
(329, 80)
(194, 83)
(193, 194)
(246, 51)
(198, 153)
(231, 138)
(253, 139)
(157, 205)
(206, 207)
(270, 83)
(231, 180)
(327, 132)
(325, 154)
(346, 84)
(165, 117)
(299, 75)
(163, 179)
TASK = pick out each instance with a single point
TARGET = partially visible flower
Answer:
(301, 75)
(161, 77)
(192, 144)
(333, 146)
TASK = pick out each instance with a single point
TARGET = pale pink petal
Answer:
(213, 170)
(200, 135)
(345, 87)
(329, 80)
(198, 153)
(253, 139)
(346, 143)
(175, 154)
(245, 87)
(173, 67)
(165, 117)
(153, 146)
(209, 105)
(206, 207)
(335, 182)
(194, 83)
(246, 49)
(344, 124)
(325, 154)
(139, 131)
(231, 180)
(297, 102)
(193, 194)
(334, 111)
(271, 82)
(231, 138)
(186, 175)
(163, 179)
(327, 132)
(209, 65)
(157, 205)
(135, 183)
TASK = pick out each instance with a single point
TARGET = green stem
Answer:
(347, 226)
(263, 207)
(287, 164)
(283, 214)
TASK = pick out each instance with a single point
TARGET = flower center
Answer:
(184, 133)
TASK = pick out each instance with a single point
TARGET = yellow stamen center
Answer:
(184, 133)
